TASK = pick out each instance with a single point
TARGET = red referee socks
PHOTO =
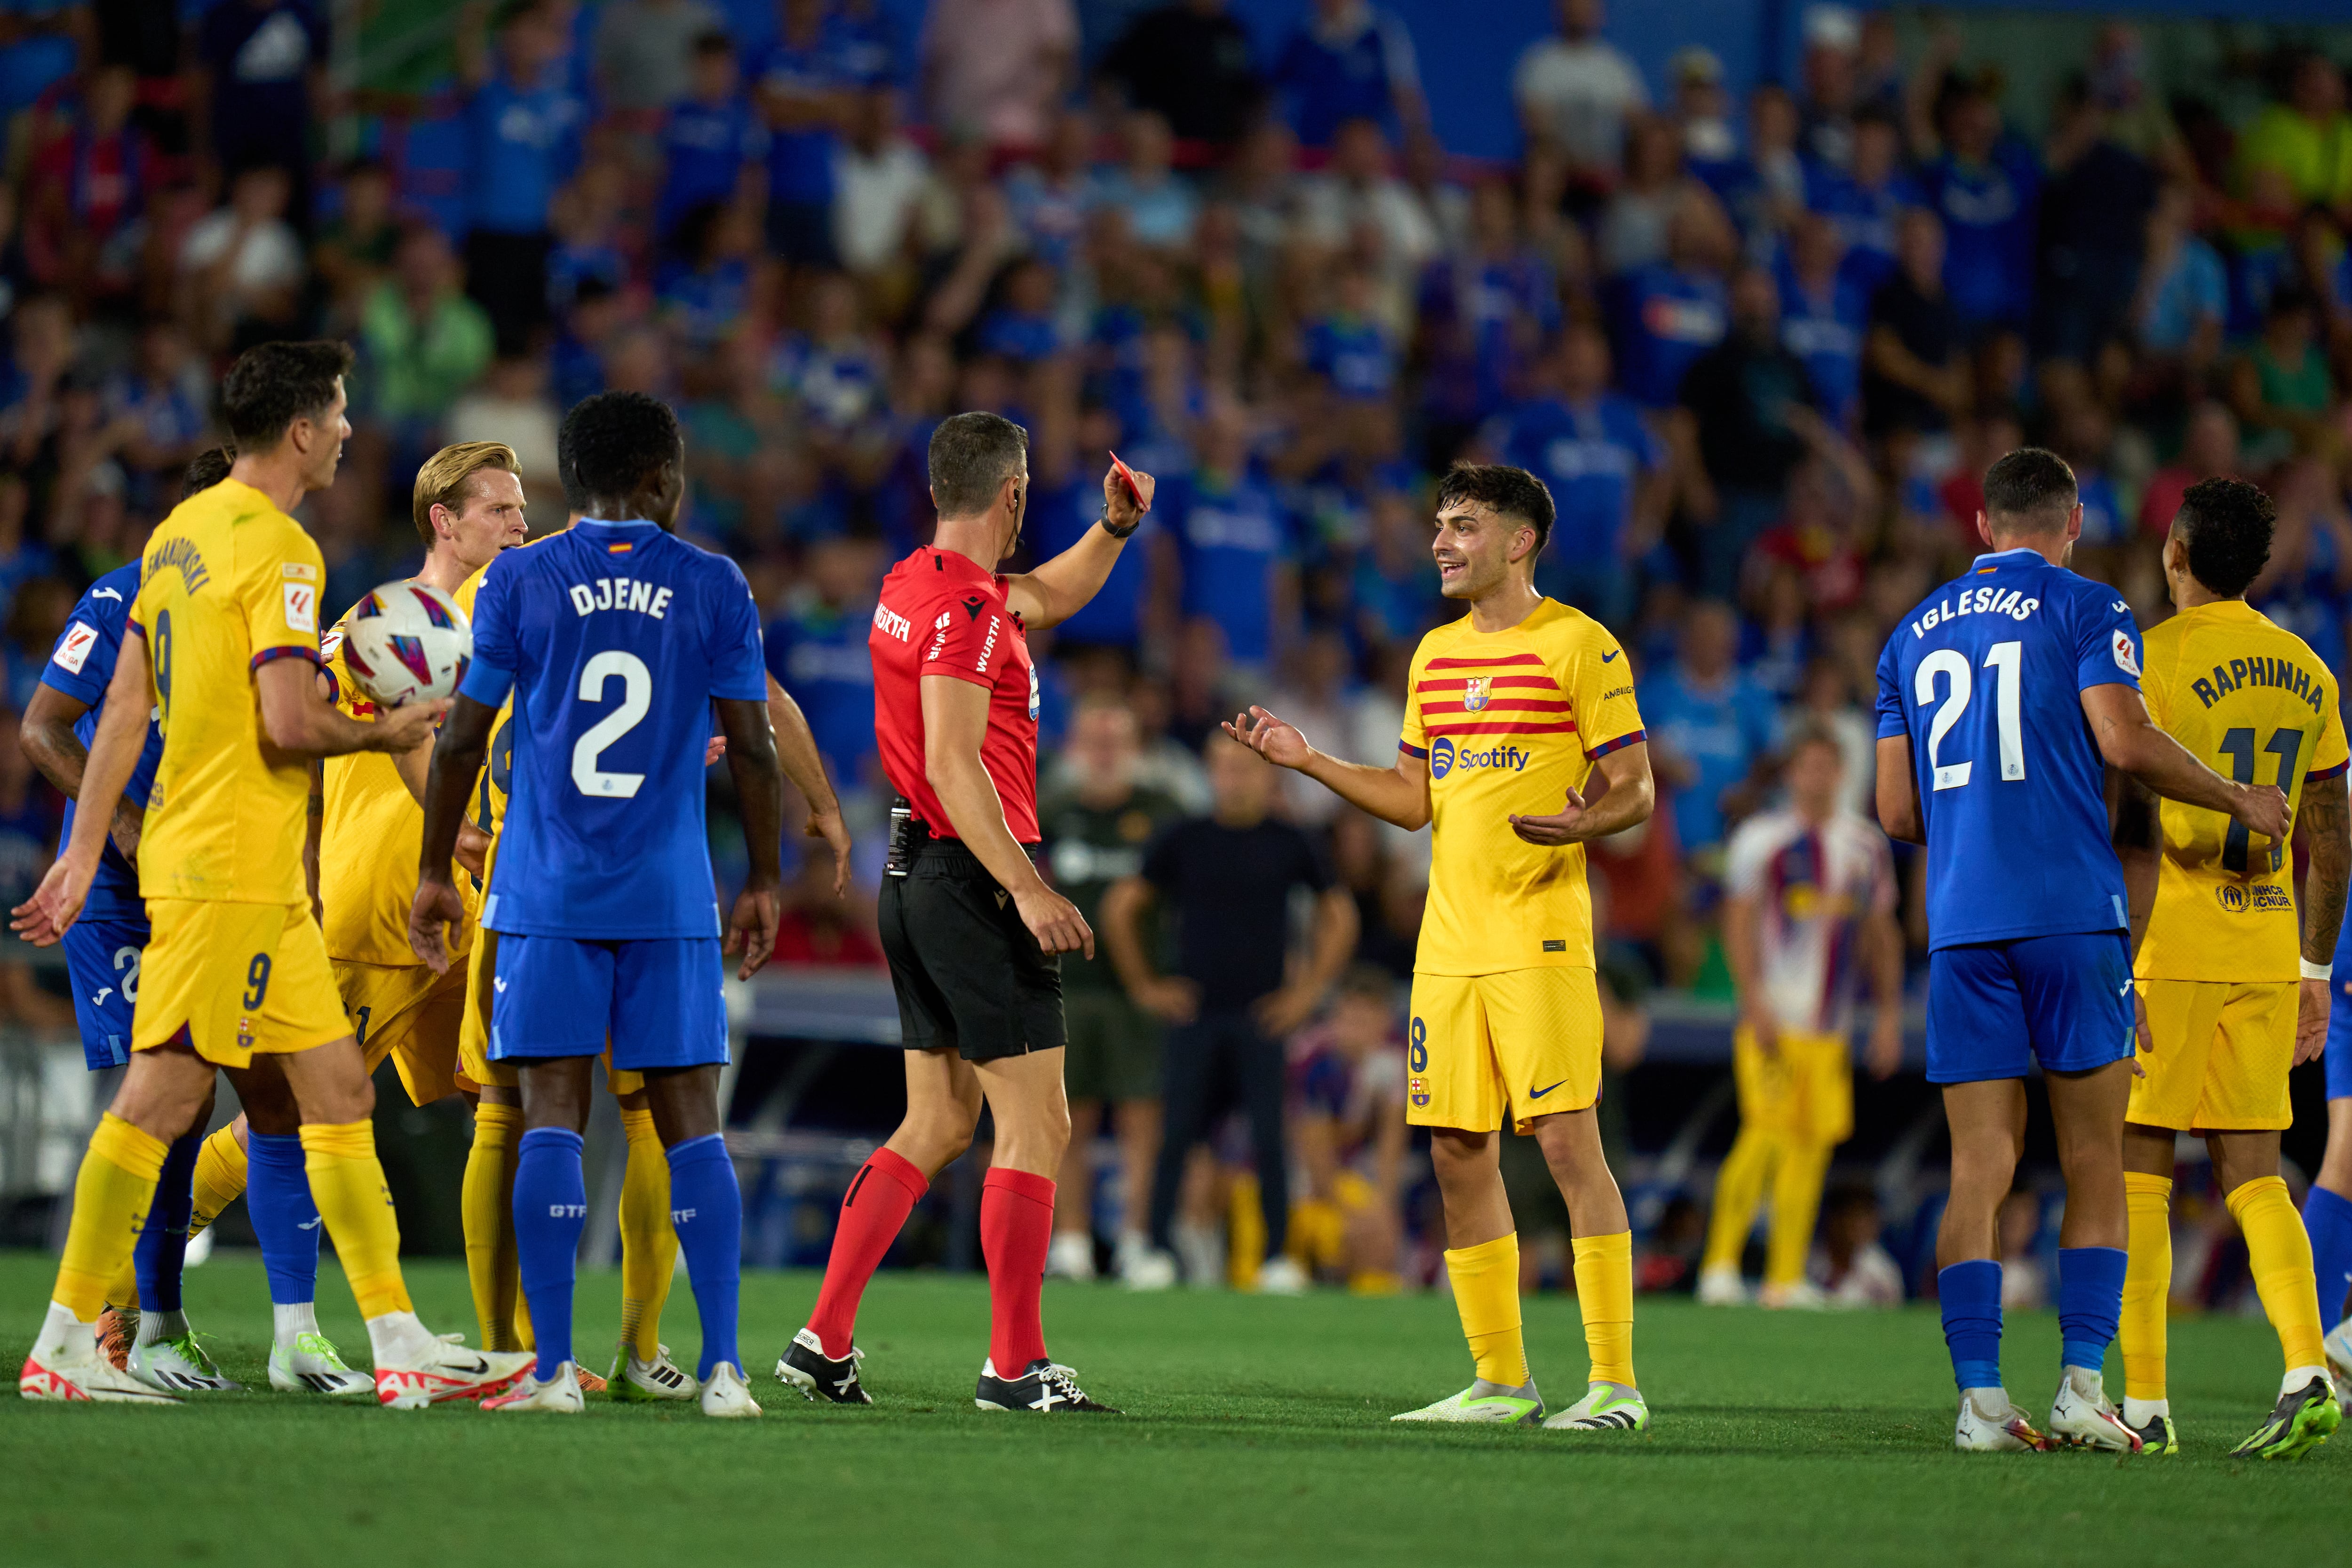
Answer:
(881, 1196)
(1016, 1226)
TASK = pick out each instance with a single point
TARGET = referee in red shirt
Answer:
(972, 932)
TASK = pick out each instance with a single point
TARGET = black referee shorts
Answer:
(969, 976)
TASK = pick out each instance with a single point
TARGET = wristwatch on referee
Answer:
(1104, 522)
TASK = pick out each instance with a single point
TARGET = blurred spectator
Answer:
(1095, 827)
(1851, 1267)
(646, 51)
(2280, 387)
(523, 128)
(2208, 447)
(1633, 228)
(2306, 141)
(816, 648)
(880, 179)
(1235, 554)
(1357, 193)
(805, 88)
(1574, 91)
(713, 136)
(88, 192)
(819, 927)
(2093, 224)
(243, 261)
(1347, 60)
(1829, 81)
(29, 835)
(994, 69)
(1914, 374)
(1764, 188)
(1865, 197)
(422, 341)
(1348, 347)
(1710, 726)
(1824, 311)
(355, 244)
(261, 77)
(1158, 205)
(2183, 295)
(1227, 881)
(1674, 310)
(1607, 472)
(1348, 1083)
(1189, 63)
(510, 405)
(1986, 187)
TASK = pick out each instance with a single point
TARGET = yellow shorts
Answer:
(407, 1013)
(474, 1034)
(240, 977)
(2221, 1058)
(1805, 1091)
(1526, 1042)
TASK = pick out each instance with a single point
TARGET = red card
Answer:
(1128, 473)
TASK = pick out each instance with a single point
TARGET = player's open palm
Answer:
(1276, 740)
(1562, 828)
(43, 918)
(2311, 1022)
(1054, 921)
(752, 929)
(435, 908)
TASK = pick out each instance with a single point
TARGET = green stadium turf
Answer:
(1256, 1433)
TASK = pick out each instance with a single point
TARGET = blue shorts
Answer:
(102, 959)
(658, 1000)
(1995, 1009)
(2339, 1045)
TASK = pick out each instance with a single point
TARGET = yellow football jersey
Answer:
(368, 839)
(230, 583)
(2250, 699)
(1510, 721)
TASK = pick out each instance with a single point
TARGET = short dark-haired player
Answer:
(1521, 705)
(617, 641)
(972, 931)
(2003, 698)
(2233, 989)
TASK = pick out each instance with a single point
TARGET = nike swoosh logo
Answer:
(1539, 1093)
(1609, 656)
(308, 1225)
(2126, 990)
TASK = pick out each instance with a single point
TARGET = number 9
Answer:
(257, 980)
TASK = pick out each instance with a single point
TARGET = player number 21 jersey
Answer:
(2252, 701)
(1986, 677)
(613, 638)
(1509, 722)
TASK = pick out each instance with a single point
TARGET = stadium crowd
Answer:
(1761, 349)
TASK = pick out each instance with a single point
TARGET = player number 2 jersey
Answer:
(228, 583)
(2252, 701)
(1509, 722)
(1986, 677)
(613, 638)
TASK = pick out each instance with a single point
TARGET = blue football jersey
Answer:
(1986, 677)
(80, 666)
(613, 638)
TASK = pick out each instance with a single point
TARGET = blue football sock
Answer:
(285, 1220)
(2327, 1216)
(1970, 1294)
(2090, 1304)
(163, 1244)
(706, 1205)
(551, 1209)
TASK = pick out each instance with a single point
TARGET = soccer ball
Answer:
(406, 643)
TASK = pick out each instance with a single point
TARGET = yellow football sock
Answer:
(220, 1178)
(1486, 1293)
(347, 1183)
(124, 1291)
(1796, 1204)
(523, 1338)
(2140, 1332)
(117, 1183)
(485, 1211)
(1604, 1294)
(648, 1240)
(2278, 1254)
(1738, 1189)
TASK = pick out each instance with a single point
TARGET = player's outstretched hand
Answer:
(752, 929)
(473, 847)
(43, 918)
(407, 727)
(2263, 808)
(1563, 827)
(2311, 1022)
(1054, 921)
(434, 909)
(827, 825)
(1276, 740)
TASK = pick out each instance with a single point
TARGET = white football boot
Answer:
(1721, 1287)
(1484, 1403)
(418, 1368)
(66, 1365)
(727, 1394)
(631, 1381)
(558, 1395)
(1605, 1408)
(2081, 1416)
(1990, 1423)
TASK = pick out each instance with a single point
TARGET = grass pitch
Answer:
(1257, 1432)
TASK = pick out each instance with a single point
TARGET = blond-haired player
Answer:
(1809, 903)
(1519, 705)
(2233, 993)
(235, 975)
(641, 1369)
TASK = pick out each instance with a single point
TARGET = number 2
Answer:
(2007, 660)
(2238, 745)
(637, 701)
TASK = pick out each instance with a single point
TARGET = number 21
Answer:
(2008, 661)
